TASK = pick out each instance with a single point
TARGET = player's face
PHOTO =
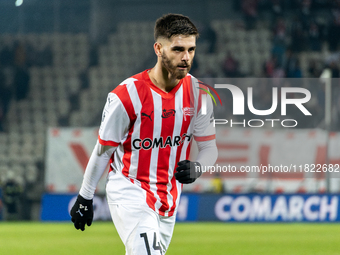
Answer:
(178, 54)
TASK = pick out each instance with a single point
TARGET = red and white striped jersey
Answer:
(152, 131)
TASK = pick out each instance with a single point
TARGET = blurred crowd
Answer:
(297, 26)
(15, 61)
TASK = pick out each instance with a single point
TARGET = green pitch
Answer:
(195, 238)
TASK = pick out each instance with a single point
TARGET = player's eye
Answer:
(177, 49)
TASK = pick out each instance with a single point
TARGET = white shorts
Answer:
(141, 229)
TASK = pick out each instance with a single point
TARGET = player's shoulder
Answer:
(195, 82)
(192, 81)
(189, 78)
(198, 87)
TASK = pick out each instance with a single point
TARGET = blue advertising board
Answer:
(260, 208)
(227, 208)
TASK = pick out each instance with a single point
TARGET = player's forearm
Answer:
(95, 169)
(207, 153)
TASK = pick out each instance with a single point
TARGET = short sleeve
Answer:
(204, 129)
(115, 122)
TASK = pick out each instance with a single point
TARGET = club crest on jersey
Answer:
(188, 111)
(168, 113)
(160, 142)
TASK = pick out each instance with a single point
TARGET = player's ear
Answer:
(158, 47)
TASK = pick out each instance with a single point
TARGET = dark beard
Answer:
(178, 74)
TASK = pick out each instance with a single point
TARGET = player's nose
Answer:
(186, 56)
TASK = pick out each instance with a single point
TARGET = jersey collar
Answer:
(164, 94)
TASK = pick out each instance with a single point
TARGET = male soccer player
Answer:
(147, 127)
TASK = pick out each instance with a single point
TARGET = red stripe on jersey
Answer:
(168, 124)
(146, 131)
(123, 94)
(150, 197)
(107, 143)
(111, 161)
(204, 138)
(127, 154)
(187, 102)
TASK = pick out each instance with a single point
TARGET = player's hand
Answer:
(187, 171)
(82, 213)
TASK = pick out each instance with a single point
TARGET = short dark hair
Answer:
(174, 24)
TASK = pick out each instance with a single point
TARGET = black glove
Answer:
(187, 171)
(82, 213)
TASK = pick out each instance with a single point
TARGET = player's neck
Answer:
(161, 78)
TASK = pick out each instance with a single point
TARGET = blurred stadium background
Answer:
(59, 59)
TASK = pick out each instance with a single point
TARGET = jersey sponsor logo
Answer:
(146, 115)
(160, 142)
(188, 111)
(168, 113)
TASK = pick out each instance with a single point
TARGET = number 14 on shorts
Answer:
(156, 245)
